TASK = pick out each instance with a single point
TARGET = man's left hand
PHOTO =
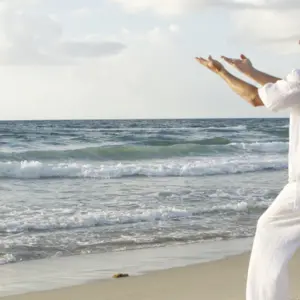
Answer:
(210, 63)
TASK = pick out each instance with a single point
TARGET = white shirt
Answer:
(285, 94)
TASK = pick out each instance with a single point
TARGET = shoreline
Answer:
(220, 279)
(64, 272)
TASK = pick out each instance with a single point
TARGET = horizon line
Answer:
(141, 119)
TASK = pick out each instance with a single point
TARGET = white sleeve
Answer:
(283, 94)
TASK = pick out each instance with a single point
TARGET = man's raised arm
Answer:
(244, 89)
(262, 78)
(276, 96)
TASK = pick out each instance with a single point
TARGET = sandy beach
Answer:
(222, 279)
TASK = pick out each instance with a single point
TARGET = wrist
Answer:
(251, 72)
(223, 73)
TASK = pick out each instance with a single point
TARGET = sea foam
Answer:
(193, 167)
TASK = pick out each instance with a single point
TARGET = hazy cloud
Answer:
(263, 22)
(175, 7)
(29, 38)
(174, 28)
(277, 29)
(90, 49)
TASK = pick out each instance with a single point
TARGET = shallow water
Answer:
(80, 187)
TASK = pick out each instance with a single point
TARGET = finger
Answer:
(243, 56)
(227, 59)
(211, 60)
(202, 60)
(231, 61)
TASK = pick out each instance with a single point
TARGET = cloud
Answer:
(279, 30)
(174, 28)
(90, 49)
(143, 81)
(29, 38)
(176, 7)
(173, 7)
(267, 23)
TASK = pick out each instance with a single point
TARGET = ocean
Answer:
(71, 188)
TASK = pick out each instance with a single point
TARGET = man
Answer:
(278, 230)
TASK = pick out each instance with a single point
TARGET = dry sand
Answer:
(223, 279)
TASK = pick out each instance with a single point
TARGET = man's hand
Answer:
(243, 64)
(210, 63)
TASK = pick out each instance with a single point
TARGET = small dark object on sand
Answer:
(120, 275)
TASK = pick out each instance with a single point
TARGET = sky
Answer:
(111, 59)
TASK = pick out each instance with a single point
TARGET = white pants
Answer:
(276, 240)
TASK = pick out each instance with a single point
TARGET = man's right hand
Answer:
(242, 64)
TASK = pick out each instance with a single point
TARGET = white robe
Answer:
(278, 229)
(285, 94)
